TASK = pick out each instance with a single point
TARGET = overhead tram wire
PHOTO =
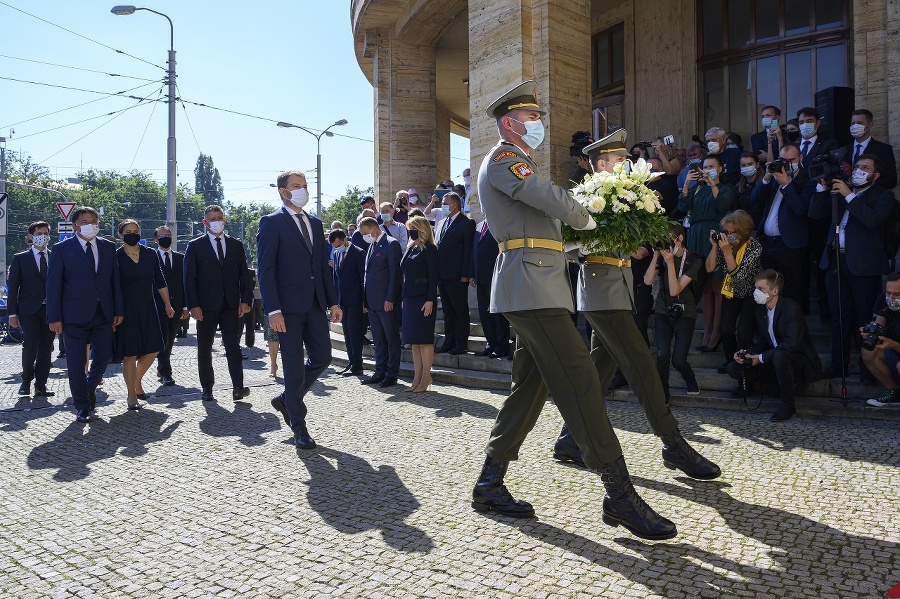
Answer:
(70, 67)
(142, 102)
(190, 125)
(117, 51)
(147, 126)
(76, 89)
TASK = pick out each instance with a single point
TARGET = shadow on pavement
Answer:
(79, 445)
(25, 409)
(244, 423)
(444, 406)
(352, 497)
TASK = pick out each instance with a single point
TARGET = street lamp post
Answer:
(170, 145)
(318, 137)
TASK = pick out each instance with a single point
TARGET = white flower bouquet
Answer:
(627, 212)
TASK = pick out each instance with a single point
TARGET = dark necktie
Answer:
(306, 238)
(857, 153)
(338, 259)
(43, 265)
(219, 251)
(446, 226)
(90, 254)
(168, 263)
(805, 149)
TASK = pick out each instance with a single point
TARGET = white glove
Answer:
(591, 224)
(568, 246)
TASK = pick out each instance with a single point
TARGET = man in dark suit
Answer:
(349, 274)
(84, 299)
(784, 195)
(172, 264)
(484, 257)
(770, 118)
(217, 291)
(27, 308)
(382, 301)
(454, 238)
(356, 237)
(784, 350)
(861, 214)
(861, 124)
(297, 288)
(811, 144)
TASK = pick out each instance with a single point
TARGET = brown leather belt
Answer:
(531, 242)
(620, 262)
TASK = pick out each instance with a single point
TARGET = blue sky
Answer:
(276, 59)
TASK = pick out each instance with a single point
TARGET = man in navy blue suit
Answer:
(784, 195)
(453, 236)
(382, 301)
(862, 212)
(27, 308)
(484, 257)
(85, 300)
(297, 288)
(349, 274)
(861, 124)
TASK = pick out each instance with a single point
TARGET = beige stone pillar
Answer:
(499, 58)
(562, 71)
(405, 117)
(442, 145)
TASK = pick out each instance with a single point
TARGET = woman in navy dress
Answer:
(139, 337)
(420, 284)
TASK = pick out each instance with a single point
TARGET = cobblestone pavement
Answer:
(194, 499)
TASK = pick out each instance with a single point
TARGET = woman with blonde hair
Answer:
(739, 255)
(419, 294)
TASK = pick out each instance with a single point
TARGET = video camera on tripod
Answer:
(828, 167)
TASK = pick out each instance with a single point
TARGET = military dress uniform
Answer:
(531, 289)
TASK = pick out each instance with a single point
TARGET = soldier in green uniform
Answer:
(604, 296)
(531, 289)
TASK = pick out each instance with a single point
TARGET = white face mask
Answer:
(534, 133)
(759, 296)
(89, 231)
(748, 171)
(713, 173)
(445, 209)
(857, 130)
(807, 130)
(368, 238)
(216, 227)
(467, 179)
(713, 147)
(40, 241)
(859, 178)
(299, 197)
(766, 122)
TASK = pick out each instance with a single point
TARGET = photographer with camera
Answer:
(784, 351)
(401, 207)
(694, 155)
(784, 194)
(738, 255)
(854, 281)
(676, 308)
(881, 343)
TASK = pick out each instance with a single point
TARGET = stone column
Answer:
(499, 58)
(442, 145)
(405, 116)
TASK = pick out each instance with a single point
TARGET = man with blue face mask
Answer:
(811, 143)
(391, 226)
(882, 354)
(861, 125)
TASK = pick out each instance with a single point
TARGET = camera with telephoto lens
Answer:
(874, 330)
(674, 311)
(828, 167)
(778, 166)
(645, 144)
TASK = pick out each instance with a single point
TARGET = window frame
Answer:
(613, 85)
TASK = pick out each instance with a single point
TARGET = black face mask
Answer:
(131, 238)
(413, 234)
(793, 136)
(164, 242)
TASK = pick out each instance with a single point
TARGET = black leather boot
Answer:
(490, 493)
(622, 505)
(566, 450)
(676, 453)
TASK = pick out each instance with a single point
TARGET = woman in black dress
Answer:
(139, 337)
(420, 283)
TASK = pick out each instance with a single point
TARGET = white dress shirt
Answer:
(83, 243)
(770, 227)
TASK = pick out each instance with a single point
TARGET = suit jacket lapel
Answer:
(294, 224)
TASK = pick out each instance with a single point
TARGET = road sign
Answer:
(4, 212)
(64, 227)
(65, 208)
(64, 236)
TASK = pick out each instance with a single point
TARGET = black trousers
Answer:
(643, 307)
(496, 327)
(455, 303)
(738, 324)
(169, 328)
(37, 347)
(785, 368)
(354, 324)
(308, 330)
(790, 262)
(683, 331)
(98, 332)
(227, 320)
(857, 295)
(250, 326)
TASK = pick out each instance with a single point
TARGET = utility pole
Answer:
(3, 207)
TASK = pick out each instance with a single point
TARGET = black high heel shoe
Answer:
(136, 406)
(707, 349)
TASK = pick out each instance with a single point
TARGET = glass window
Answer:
(739, 21)
(831, 62)
(768, 82)
(829, 14)
(796, 17)
(712, 26)
(767, 20)
(799, 81)
(609, 59)
(714, 97)
(742, 107)
(603, 77)
(618, 54)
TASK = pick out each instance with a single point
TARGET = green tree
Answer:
(243, 222)
(207, 181)
(346, 207)
(26, 205)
